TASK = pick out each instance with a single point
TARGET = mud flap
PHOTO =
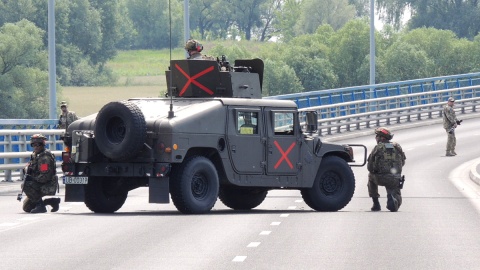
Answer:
(158, 190)
(74, 193)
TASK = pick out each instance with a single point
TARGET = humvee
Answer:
(212, 136)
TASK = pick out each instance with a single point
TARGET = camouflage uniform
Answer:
(43, 181)
(65, 121)
(449, 124)
(385, 164)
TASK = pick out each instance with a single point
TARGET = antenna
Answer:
(171, 114)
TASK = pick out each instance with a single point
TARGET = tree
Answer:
(280, 79)
(333, 12)
(459, 16)
(286, 20)
(247, 15)
(350, 46)
(23, 71)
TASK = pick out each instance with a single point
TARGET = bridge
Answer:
(339, 110)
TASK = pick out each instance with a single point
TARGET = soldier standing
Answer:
(450, 122)
(40, 178)
(385, 164)
(67, 117)
(194, 50)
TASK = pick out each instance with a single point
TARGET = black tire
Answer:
(333, 187)
(104, 195)
(194, 186)
(242, 198)
(120, 130)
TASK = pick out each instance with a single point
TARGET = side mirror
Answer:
(311, 120)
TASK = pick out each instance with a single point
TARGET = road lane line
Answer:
(275, 223)
(239, 258)
(253, 244)
(284, 215)
(265, 232)
(292, 207)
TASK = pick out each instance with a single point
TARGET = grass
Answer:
(142, 74)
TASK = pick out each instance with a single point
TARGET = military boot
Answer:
(449, 154)
(392, 203)
(39, 208)
(376, 205)
(54, 203)
(453, 152)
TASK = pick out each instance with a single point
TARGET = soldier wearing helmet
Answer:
(450, 123)
(66, 117)
(194, 50)
(40, 178)
(384, 165)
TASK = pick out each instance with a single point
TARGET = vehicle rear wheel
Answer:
(333, 187)
(120, 130)
(194, 186)
(242, 198)
(104, 195)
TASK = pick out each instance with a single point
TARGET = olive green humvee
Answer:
(212, 136)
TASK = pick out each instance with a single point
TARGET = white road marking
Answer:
(284, 215)
(239, 258)
(76, 203)
(275, 223)
(254, 244)
(265, 232)
(298, 201)
(292, 207)
(430, 143)
(409, 149)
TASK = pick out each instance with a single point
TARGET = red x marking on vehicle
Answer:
(193, 80)
(284, 155)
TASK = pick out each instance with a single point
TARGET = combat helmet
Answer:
(384, 132)
(193, 45)
(38, 138)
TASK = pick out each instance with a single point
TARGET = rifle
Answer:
(26, 177)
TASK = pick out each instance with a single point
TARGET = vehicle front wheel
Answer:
(104, 195)
(333, 187)
(194, 185)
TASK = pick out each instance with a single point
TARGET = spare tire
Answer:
(120, 130)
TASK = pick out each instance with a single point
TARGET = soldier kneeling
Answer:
(40, 178)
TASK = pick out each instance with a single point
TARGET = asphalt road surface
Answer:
(437, 227)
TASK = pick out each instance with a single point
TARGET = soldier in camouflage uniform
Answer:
(40, 178)
(67, 117)
(385, 164)
(450, 122)
(194, 50)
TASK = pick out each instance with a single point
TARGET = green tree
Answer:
(285, 24)
(461, 17)
(350, 46)
(247, 15)
(23, 71)
(333, 12)
(280, 79)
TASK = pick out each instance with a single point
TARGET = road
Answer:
(437, 227)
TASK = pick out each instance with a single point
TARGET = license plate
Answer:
(82, 180)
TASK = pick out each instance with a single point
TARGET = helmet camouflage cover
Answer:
(384, 132)
(193, 45)
(38, 138)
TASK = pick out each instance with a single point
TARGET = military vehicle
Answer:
(213, 136)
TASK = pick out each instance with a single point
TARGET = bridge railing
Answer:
(346, 116)
(348, 94)
(16, 150)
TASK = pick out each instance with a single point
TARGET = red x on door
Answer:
(193, 79)
(284, 155)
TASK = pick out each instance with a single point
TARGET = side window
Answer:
(284, 123)
(247, 122)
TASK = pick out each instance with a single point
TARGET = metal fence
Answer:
(347, 116)
(15, 149)
(358, 93)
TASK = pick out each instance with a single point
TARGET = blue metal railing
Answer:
(347, 94)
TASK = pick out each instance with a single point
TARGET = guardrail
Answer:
(346, 116)
(15, 144)
(357, 93)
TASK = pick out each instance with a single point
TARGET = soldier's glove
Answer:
(28, 177)
(459, 121)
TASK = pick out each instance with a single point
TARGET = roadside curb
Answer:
(474, 176)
